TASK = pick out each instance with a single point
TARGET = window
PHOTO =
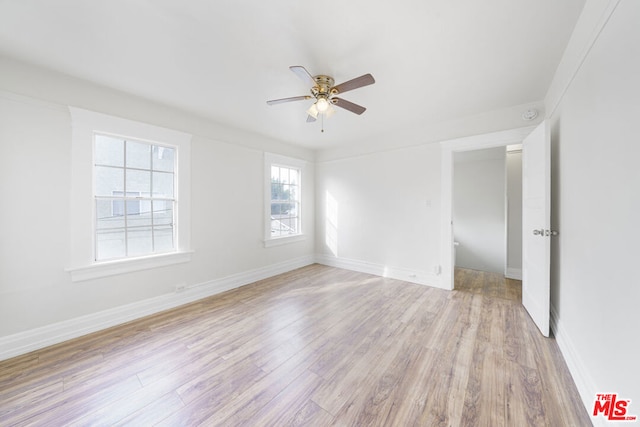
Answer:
(130, 196)
(283, 199)
(134, 197)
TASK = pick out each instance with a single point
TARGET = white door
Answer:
(536, 217)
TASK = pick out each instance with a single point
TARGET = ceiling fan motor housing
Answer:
(323, 86)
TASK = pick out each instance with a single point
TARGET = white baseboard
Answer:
(584, 383)
(35, 339)
(513, 273)
(407, 275)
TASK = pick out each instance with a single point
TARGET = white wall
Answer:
(514, 214)
(380, 213)
(479, 209)
(35, 229)
(35, 169)
(596, 203)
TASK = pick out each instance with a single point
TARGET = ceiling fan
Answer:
(326, 94)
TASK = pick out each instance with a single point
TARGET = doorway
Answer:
(449, 148)
(487, 212)
(479, 212)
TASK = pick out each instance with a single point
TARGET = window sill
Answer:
(277, 241)
(112, 268)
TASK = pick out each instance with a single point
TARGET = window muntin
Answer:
(134, 195)
(285, 201)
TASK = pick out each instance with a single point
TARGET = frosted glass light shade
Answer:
(313, 111)
(330, 111)
(322, 104)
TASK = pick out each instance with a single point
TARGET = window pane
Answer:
(139, 241)
(138, 213)
(108, 180)
(163, 238)
(138, 155)
(163, 158)
(139, 182)
(162, 212)
(133, 207)
(279, 209)
(286, 192)
(293, 209)
(145, 208)
(288, 225)
(109, 151)
(276, 191)
(109, 213)
(110, 244)
(284, 175)
(275, 174)
(275, 228)
(294, 177)
(293, 193)
(163, 185)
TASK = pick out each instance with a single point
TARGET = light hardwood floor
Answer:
(317, 346)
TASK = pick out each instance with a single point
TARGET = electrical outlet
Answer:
(437, 270)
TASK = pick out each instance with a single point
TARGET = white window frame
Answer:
(85, 124)
(271, 159)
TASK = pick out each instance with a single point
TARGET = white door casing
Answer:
(536, 234)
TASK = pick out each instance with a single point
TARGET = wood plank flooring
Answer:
(317, 346)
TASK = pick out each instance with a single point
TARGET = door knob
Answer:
(538, 232)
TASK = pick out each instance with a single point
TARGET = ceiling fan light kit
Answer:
(325, 92)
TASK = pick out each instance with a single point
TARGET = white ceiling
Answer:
(433, 60)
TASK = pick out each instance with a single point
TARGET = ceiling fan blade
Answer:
(354, 108)
(302, 72)
(294, 98)
(310, 119)
(364, 80)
